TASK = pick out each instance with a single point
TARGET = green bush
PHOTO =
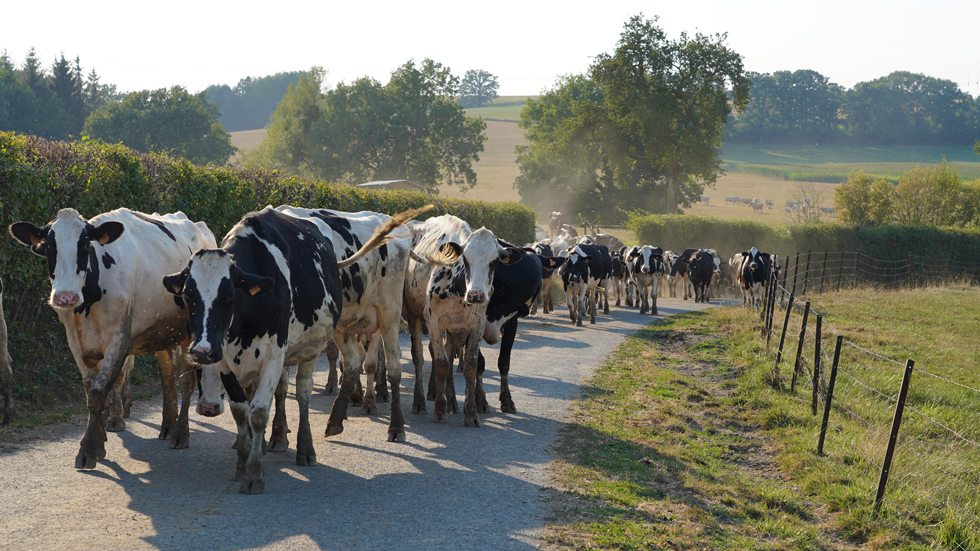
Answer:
(38, 177)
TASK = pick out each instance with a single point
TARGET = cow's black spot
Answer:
(256, 353)
(107, 260)
(383, 270)
(156, 223)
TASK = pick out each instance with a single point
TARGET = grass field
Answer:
(681, 442)
(753, 171)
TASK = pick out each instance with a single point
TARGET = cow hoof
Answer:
(307, 460)
(252, 485)
(416, 408)
(279, 446)
(440, 417)
(85, 461)
(472, 421)
(329, 389)
(334, 430)
(507, 408)
(167, 433)
(180, 442)
(115, 425)
(396, 435)
(369, 409)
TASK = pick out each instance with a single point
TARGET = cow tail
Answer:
(380, 236)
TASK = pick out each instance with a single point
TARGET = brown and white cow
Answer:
(555, 221)
(98, 270)
(6, 373)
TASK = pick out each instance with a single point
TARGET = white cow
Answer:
(99, 270)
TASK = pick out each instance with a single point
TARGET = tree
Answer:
(800, 106)
(864, 201)
(410, 128)
(477, 88)
(669, 101)
(928, 196)
(250, 104)
(170, 120)
(810, 201)
(97, 95)
(65, 84)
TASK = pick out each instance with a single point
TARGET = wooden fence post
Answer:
(893, 437)
(816, 363)
(911, 273)
(782, 339)
(774, 281)
(799, 346)
(796, 272)
(857, 256)
(823, 272)
(840, 271)
(830, 394)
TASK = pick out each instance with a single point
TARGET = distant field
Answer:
(764, 172)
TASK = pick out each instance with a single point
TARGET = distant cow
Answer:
(555, 221)
(746, 201)
(769, 204)
(705, 199)
(732, 199)
(648, 269)
(701, 268)
(793, 205)
(6, 373)
(829, 210)
(752, 269)
(757, 207)
(99, 270)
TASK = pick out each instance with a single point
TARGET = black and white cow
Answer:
(584, 273)
(271, 296)
(98, 270)
(679, 273)
(752, 269)
(648, 268)
(6, 373)
(547, 275)
(619, 277)
(456, 300)
(701, 269)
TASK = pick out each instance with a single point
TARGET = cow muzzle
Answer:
(208, 409)
(204, 355)
(645, 270)
(476, 297)
(64, 299)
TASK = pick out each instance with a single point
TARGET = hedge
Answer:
(38, 177)
(892, 242)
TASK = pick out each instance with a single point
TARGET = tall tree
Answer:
(798, 106)
(170, 120)
(65, 84)
(97, 95)
(478, 87)
(409, 128)
(670, 101)
(250, 104)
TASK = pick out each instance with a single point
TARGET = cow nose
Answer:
(65, 298)
(203, 355)
(645, 270)
(475, 297)
(208, 409)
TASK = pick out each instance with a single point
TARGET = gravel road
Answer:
(446, 487)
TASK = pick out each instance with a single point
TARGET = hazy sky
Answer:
(527, 44)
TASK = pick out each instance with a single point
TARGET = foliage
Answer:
(477, 88)
(170, 120)
(409, 128)
(250, 104)
(862, 201)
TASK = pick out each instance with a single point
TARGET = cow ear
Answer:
(511, 255)
(554, 262)
(106, 232)
(253, 284)
(451, 251)
(174, 283)
(30, 235)
(587, 258)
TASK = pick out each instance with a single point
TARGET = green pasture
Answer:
(504, 108)
(833, 163)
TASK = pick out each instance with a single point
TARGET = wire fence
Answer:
(921, 439)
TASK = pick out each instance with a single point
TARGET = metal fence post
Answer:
(830, 395)
(796, 272)
(893, 437)
(799, 346)
(806, 272)
(782, 339)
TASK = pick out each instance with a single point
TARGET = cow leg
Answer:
(127, 390)
(188, 380)
(239, 411)
(653, 295)
(333, 353)
(418, 361)
(253, 482)
(381, 376)
(92, 447)
(441, 369)
(116, 410)
(605, 297)
(549, 304)
(393, 356)
(432, 375)
(279, 439)
(353, 354)
(644, 302)
(305, 452)
(369, 406)
(168, 381)
(470, 365)
(453, 352)
(503, 365)
(482, 406)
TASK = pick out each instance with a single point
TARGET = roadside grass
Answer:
(680, 441)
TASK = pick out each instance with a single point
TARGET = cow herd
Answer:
(287, 283)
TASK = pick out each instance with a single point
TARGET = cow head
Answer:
(647, 260)
(475, 261)
(577, 266)
(66, 243)
(214, 288)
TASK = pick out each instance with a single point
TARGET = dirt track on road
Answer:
(446, 487)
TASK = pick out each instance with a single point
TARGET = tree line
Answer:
(902, 108)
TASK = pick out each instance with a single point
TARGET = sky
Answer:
(527, 45)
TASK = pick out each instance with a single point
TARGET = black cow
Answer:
(547, 273)
(270, 296)
(700, 269)
(679, 271)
